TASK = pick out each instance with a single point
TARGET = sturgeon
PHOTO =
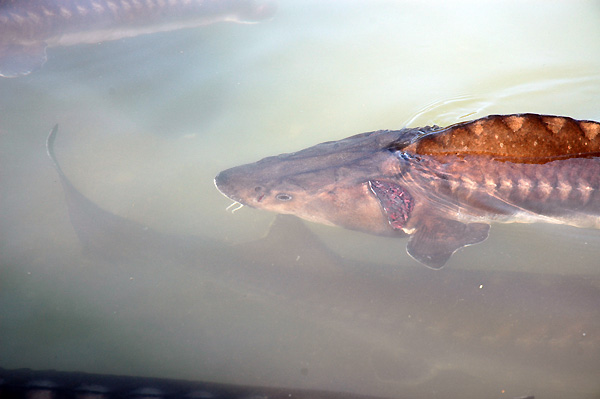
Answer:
(28, 27)
(440, 186)
(398, 333)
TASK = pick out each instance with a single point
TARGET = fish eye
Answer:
(283, 197)
(258, 189)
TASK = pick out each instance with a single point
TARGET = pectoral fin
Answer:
(436, 239)
(18, 60)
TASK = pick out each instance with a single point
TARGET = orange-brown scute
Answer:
(524, 138)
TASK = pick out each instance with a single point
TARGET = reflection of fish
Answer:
(410, 331)
(441, 186)
(27, 27)
(25, 383)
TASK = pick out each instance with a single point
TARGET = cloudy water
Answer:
(146, 123)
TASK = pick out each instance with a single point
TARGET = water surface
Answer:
(145, 125)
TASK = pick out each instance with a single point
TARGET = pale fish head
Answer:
(328, 183)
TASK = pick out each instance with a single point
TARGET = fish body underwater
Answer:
(440, 186)
(28, 27)
(408, 333)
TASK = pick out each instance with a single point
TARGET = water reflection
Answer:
(145, 125)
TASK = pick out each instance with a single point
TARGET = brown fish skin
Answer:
(527, 165)
(524, 138)
(441, 186)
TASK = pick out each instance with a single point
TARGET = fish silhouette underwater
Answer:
(28, 27)
(392, 332)
(442, 186)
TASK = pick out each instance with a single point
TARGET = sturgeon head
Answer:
(441, 186)
(355, 183)
(330, 183)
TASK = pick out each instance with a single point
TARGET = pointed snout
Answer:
(221, 179)
(222, 182)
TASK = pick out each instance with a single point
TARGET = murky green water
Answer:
(146, 123)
